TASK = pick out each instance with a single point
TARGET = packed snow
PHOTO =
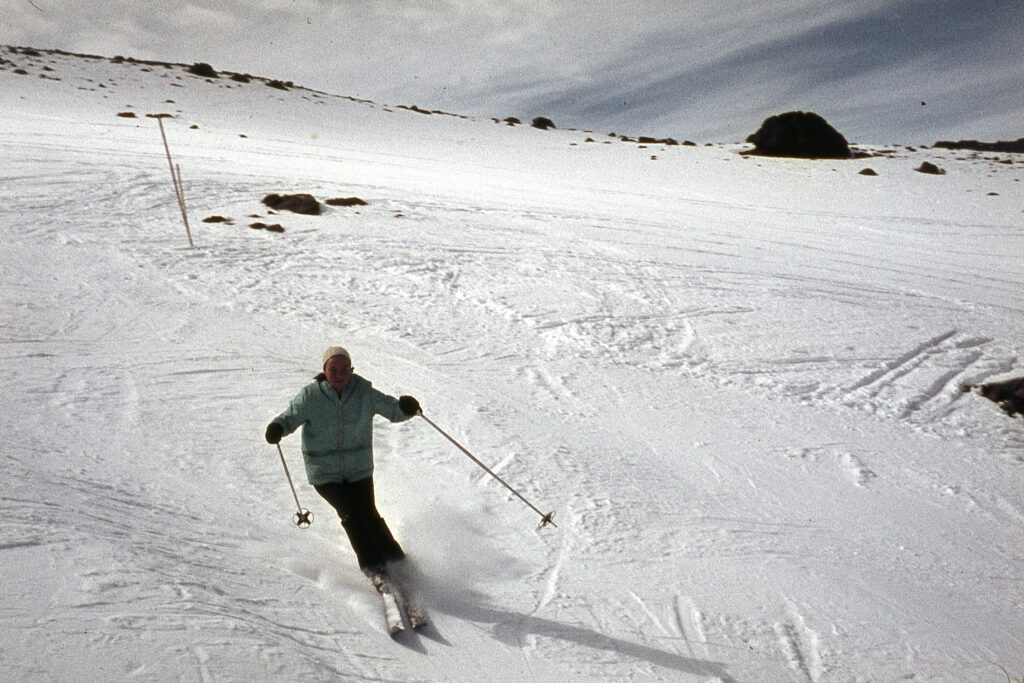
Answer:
(737, 381)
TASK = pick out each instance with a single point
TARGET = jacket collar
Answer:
(330, 391)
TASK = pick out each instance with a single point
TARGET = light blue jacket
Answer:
(337, 431)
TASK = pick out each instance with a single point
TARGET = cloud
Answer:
(870, 68)
(681, 67)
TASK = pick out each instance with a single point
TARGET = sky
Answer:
(882, 71)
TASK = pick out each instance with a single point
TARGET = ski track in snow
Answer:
(745, 407)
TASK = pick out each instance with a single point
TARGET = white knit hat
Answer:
(333, 351)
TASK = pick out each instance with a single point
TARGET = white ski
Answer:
(408, 602)
(392, 613)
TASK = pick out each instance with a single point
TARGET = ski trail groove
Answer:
(899, 366)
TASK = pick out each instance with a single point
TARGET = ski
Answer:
(392, 613)
(411, 606)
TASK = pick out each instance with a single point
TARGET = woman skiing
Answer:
(336, 414)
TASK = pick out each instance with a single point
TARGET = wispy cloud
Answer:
(707, 70)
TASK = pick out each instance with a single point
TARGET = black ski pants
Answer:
(367, 531)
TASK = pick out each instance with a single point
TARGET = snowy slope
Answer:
(736, 380)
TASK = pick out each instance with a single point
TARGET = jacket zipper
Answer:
(341, 436)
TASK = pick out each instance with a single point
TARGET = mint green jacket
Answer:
(337, 431)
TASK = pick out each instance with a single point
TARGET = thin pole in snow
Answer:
(181, 199)
(545, 519)
(179, 191)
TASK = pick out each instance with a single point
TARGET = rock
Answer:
(647, 140)
(542, 123)
(930, 168)
(799, 134)
(204, 70)
(296, 203)
(974, 145)
(345, 201)
(276, 227)
(1009, 395)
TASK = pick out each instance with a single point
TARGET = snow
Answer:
(736, 380)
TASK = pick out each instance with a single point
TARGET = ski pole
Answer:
(545, 519)
(303, 518)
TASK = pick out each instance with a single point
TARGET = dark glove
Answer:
(409, 405)
(274, 432)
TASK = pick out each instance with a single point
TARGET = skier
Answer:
(336, 414)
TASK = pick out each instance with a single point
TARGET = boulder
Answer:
(1008, 394)
(799, 134)
(201, 69)
(930, 169)
(296, 203)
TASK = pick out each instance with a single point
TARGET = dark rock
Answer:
(296, 203)
(930, 168)
(512, 121)
(799, 134)
(1009, 395)
(542, 123)
(345, 201)
(645, 140)
(868, 171)
(276, 227)
(204, 70)
(279, 85)
(216, 219)
(1002, 146)
(127, 114)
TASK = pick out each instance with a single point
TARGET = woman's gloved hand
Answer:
(409, 405)
(274, 432)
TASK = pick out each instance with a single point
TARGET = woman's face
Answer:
(338, 371)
